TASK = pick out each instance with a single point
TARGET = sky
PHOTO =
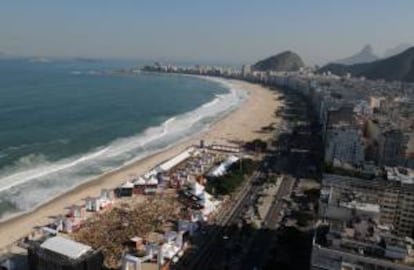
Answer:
(234, 31)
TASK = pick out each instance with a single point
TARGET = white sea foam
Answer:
(48, 180)
(211, 103)
(28, 175)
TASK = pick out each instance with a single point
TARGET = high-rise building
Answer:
(391, 148)
(343, 139)
(246, 70)
(344, 146)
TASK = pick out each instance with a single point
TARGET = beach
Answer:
(242, 124)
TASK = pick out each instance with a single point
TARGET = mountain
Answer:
(364, 56)
(396, 50)
(399, 67)
(285, 61)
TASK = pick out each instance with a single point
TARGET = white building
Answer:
(246, 70)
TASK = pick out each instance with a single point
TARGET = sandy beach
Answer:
(243, 124)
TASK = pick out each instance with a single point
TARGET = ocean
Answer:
(65, 122)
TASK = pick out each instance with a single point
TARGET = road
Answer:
(258, 250)
(273, 216)
(211, 247)
(217, 253)
(214, 251)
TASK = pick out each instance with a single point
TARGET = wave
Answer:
(30, 188)
(28, 175)
(166, 123)
(17, 148)
(211, 103)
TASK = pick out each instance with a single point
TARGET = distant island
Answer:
(82, 59)
(40, 60)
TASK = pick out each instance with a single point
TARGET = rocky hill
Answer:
(285, 61)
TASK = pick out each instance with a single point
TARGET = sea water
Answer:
(65, 122)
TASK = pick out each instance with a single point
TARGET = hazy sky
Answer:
(239, 31)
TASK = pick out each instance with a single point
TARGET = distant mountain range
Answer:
(285, 61)
(399, 67)
(366, 55)
(397, 49)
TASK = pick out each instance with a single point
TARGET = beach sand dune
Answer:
(241, 125)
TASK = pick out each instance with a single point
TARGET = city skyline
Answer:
(236, 32)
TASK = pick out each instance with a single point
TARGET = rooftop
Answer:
(366, 237)
(65, 247)
(351, 223)
(403, 175)
(169, 164)
(368, 207)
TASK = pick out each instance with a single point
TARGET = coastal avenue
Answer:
(255, 253)
(214, 245)
(259, 249)
(212, 240)
(214, 251)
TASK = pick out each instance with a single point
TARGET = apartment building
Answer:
(394, 195)
(354, 231)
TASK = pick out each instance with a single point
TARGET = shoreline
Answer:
(220, 81)
(240, 124)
